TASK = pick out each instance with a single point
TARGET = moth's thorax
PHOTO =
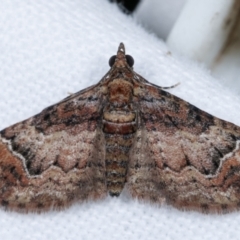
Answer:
(120, 92)
(119, 116)
(119, 126)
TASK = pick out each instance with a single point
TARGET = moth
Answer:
(121, 132)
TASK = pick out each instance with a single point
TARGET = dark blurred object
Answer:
(127, 6)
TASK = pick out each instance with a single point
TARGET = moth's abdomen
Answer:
(117, 157)
(119, 128)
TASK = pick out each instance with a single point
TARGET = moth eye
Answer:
(130, 60)
(112, 60)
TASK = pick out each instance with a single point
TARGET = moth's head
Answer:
(121, 60)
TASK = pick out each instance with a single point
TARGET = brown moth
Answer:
(123, 131)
